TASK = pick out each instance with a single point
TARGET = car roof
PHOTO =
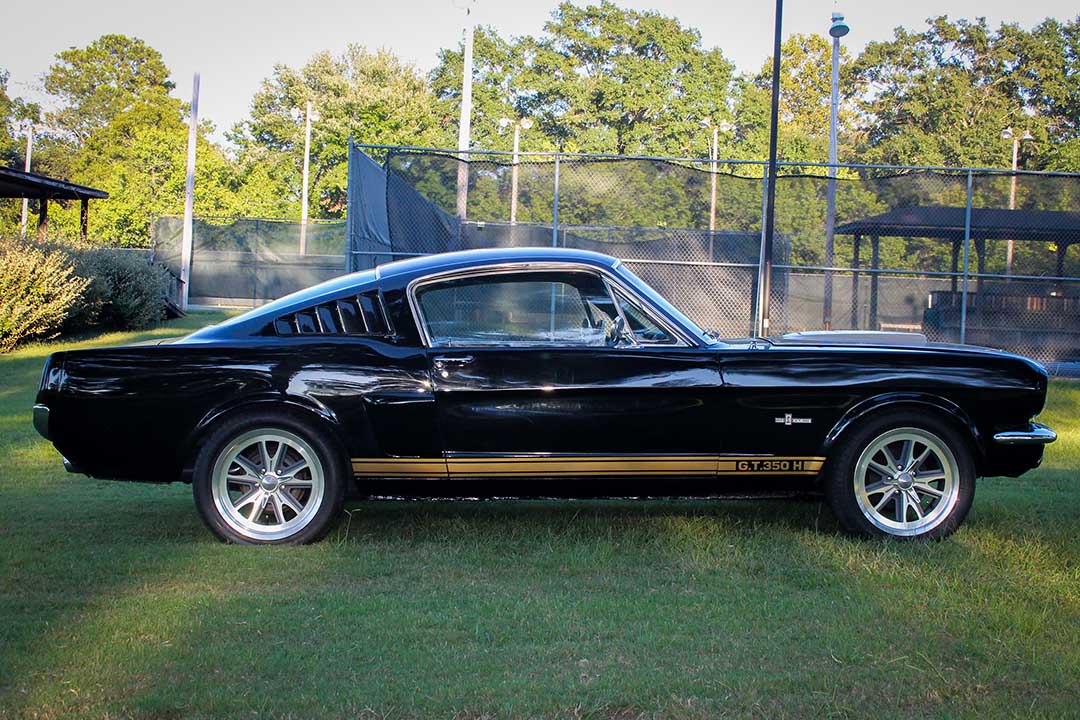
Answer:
(395, 274)
(464, 259)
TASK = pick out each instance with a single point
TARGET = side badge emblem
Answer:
(788, 420)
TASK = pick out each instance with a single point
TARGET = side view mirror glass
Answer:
(617, 331)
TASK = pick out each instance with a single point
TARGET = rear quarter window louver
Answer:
(355, 315)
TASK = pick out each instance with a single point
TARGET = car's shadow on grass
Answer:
(425, 520)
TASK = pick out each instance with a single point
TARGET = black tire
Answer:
(849, 473)
(300, 441)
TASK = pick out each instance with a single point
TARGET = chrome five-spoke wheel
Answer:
(268, 484)
(906, 481)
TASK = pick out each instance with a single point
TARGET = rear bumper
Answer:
(1037, 434)
(41, 421)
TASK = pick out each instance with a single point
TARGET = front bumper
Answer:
(1038, 434)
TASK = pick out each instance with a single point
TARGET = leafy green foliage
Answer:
(944, 95)
(600, 79)
(597, 78)
(99, 81)
(38, 287)
(371, 96)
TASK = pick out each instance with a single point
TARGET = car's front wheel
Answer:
(267, 479)
(903, 475)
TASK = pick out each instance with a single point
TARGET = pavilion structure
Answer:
(20, 184)
(1012, 305)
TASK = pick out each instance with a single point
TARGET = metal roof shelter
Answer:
(951, 223)
(20, 184)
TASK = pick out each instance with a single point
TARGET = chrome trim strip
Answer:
(1039, 434)
(507, 267)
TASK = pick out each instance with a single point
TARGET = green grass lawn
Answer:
(116, 602)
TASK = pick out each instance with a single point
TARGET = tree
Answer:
(371, 96)
(600, 79)
(805, 99)
(500, 90)
(942, 96)
(118, 129)
(105, 78)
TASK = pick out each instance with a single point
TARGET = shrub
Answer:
(38, 286)
(125, 292)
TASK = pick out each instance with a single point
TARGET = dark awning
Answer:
(18, 184)
(947, 223)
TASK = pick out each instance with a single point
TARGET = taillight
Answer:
(52, 375)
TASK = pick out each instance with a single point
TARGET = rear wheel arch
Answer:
(317, 419)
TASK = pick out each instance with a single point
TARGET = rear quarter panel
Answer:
(139, 413)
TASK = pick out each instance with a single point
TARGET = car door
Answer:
(559, 372)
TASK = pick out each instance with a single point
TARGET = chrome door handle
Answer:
(443, 360)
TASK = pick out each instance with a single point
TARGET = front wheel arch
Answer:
(941, 408)
(853, 462)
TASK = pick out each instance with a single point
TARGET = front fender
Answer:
(899, 400)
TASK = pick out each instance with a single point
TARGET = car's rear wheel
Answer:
(267, 479)
(902, 475)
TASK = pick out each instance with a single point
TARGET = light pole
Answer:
(522, 124)
(768, 228)
(187, 242)
(465, 124)
(837, 30)
(714, 157)
(1009, 134)
(26, 167)
(308, 117)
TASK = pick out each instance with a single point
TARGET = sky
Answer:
(235, 45)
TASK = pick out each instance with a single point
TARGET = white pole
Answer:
(1012, 203)
(465, 125)
(514, 174)
(714, 155)
(304, 198)
(830, 197)
(189, 197)
(26, 167)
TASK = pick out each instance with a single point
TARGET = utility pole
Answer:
(189, 198)
(837, 30)
(1009, 134)
(714, 151)
(304, 194)
(465, 124)
(519, 125)
(26, 167)
(761, 322)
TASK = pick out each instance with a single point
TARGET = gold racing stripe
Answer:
(588, 466)
(399, 467)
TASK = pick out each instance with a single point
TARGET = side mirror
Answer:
(618, 330)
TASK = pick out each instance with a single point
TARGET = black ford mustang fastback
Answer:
(525, 372)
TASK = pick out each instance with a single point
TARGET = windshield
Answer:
(660, 302)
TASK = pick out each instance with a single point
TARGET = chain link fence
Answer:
(250, 261)
(967, 256)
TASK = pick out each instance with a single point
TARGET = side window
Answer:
(645, 330)
(521, 308)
